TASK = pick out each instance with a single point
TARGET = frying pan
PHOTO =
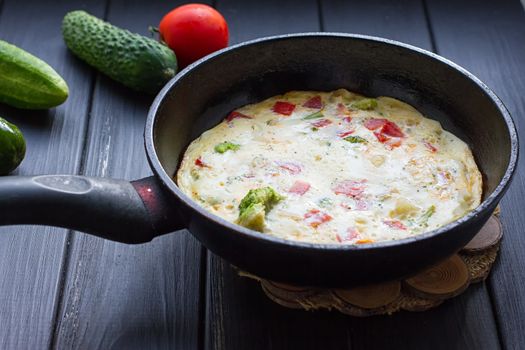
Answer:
(200, 96)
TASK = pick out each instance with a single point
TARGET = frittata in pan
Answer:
(331, 167)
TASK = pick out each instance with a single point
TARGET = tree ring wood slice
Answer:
(289, 303)
(371, 297)
(489, 235)
(441, 281)
(286, 291)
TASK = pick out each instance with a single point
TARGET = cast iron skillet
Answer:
(201, 96)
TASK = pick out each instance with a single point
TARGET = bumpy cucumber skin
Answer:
(138, 62)
(12, 147)
(27, 82)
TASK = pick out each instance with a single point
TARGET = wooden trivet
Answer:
(418, 293)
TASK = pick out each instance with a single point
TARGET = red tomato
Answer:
(395, 224)
(192, 31)
(284, 108)
(314, 102)
(374, 123)
(321, 123)
(291, 167)
(236, 115)
(351, 188)
(315, 217)
(391, 129)
(299, 187)
(346, 133)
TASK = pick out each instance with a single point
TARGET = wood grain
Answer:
(237, 307)
(120, 296)
(489, 41)
(442, 281)
(31, 257)
(402, 20)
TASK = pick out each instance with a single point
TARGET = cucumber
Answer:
(138, 62)
(12, 147)
(27, 82)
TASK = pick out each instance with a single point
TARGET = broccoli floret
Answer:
(255, 205)
(253, 217)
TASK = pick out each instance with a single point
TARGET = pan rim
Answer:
(250, 234)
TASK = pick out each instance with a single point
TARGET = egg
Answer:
(345, 169)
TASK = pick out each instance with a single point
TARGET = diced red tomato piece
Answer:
(350, 234)
(315, 217)
(284, 108)
(395, 224)
(391, 129)
(347, 119)
(381, 137)
(393, 143)
(321, 123)
(200, 163)
(314, 102)
(346, 133)
(374, 123)
(293, 168)
(350, 188)
(235, 115)
(430, 147)
(299, 187)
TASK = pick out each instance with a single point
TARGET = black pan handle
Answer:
(119, 210)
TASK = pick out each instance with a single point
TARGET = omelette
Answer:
(331, 167)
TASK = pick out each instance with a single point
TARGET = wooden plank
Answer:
(120, 296)
(237, 307)
(250, 19)
(31, 257)
(494, 34)
(399, 20)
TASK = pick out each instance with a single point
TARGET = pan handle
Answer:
(119, 210)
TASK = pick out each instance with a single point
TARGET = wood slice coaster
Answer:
(426, 290)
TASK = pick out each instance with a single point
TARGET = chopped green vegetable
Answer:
(255, 205)
(427, 214)
(226, 146)
(315, 115)
(253, 217)
(315, 129)
(325, 203)
(365, 104)
(266, 195)
(355, 139)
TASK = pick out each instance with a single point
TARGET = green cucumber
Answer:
(12, 147)
(140, 63)
(28, 82)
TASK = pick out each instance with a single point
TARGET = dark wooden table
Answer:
(63, 289)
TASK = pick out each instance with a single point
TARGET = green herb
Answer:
(325, 202)
(315, 115)
(365, 104)
(314, 129)
(355, 139)
(226, 146)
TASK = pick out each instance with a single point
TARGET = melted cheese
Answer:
(346, 177)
